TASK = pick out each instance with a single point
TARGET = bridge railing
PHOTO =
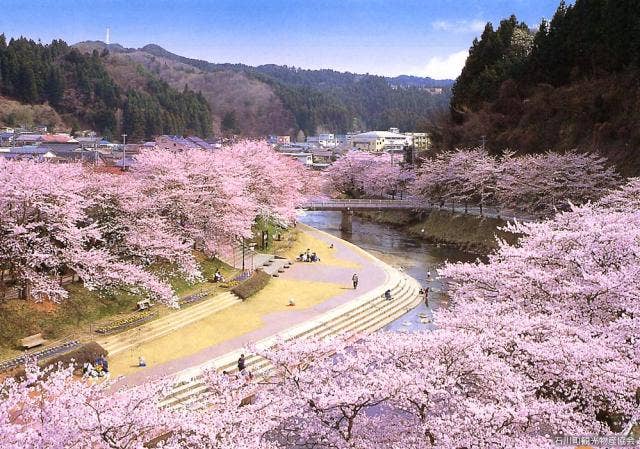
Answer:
(359, 202)
(414, 203)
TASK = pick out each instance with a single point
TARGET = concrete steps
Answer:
(165, 325)
(363, 315)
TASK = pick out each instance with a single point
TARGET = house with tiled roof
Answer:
(58, 138)
(28, 139)
(28, 152)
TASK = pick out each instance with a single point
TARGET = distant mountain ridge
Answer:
(156, 50)
(279, 99)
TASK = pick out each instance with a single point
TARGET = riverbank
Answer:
(469, 233)
(325, 288)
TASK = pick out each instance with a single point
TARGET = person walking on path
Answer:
(241, 364)
(426, 288)
(354, 278)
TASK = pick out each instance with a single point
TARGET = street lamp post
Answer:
(242, 255)
(124, 151)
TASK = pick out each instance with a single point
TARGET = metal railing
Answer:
(413, 203)
(355, 203)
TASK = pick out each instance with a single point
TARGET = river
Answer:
(398, 249)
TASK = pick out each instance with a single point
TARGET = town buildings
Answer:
(381, 141)
(420, 141)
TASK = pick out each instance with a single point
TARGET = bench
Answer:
(32, 341)
(144, 304)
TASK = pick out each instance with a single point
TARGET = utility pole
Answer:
(124, 150)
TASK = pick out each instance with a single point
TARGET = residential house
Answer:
(324, 140)
(303, 158)
(26, 139)
(28, 152)
(183, 143)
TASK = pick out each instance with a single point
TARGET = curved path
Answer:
(360, 310)
(371, 272)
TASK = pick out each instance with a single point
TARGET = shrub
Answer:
(123, 323)
(258, 280)
(88, 351)
(230, 284)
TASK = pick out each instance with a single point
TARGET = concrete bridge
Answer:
(348, 206)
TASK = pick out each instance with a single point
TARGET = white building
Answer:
(421, 141)
(324, 140)
(379, 141)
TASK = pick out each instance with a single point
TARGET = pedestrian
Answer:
(141, 362)
(426, 296)
(354, 278)
(241, 363)
(387, 295)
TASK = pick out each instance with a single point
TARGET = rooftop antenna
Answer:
(108, 33)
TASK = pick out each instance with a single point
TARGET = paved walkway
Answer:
(371, 275)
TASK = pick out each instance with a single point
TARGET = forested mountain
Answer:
(573, 83)
(280, 99)
(80, 89)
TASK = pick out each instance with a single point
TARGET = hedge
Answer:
(88, 351)
(258, 280)
(130, 320)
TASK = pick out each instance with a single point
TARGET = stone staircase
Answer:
(167, 324)
(363, 315)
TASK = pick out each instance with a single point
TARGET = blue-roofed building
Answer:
(202, 144)
(28, 152)
(5, 138)
(174, 143)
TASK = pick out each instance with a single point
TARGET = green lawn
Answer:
(73, 317)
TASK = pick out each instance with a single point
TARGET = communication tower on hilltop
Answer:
(106, 41)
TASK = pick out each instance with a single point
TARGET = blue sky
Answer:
(387, 37)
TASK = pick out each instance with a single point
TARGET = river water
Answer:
(417, 258)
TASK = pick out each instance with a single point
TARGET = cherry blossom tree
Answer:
(360, 173)
(543, 183)
(275, 183)
(52, 409)
(562, 308)
(46, 231)
(109, 229)
(462, 176)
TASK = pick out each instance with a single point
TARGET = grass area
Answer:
(208, 268)
(229, 323)
(471, 233)
(73, 317)
(301, 241)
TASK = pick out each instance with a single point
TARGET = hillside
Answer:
(65, 88)
(13, 113)
(256, 109)
(571, 84)
(279, 99)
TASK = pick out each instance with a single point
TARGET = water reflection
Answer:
(418, 259)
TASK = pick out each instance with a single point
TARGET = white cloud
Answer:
(459, 26)
(448, 66)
